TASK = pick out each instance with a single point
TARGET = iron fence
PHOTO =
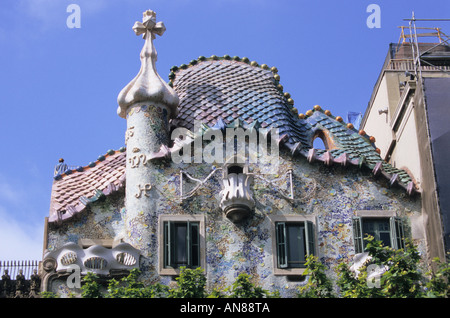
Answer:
(14, 267)
(18, 279)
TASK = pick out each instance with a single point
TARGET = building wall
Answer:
(405, 128)
(393, 80)
(376, 124)
(437, 98)
(329, 195)
(101, 221)
(406, 154)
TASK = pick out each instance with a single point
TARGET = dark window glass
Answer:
(294, 242)
(379, 229)
(181, 244)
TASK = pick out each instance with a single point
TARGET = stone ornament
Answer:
(236, 196)
(137, 160)
(20, 285)
(148, 24)
(35, 285)
(143, 189)
(148, 86)
(128, 134)
(6, 284)
(96, 258)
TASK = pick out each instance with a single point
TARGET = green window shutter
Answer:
(281, 245)
(196, 245)
(309, 238)
(188, 244)
(397, 233)
(169, 247)
(192, 244)
(358, 235)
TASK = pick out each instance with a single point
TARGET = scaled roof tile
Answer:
(73, 190)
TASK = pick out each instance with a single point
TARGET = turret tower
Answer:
(147, 103)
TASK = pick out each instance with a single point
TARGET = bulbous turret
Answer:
(148, 86)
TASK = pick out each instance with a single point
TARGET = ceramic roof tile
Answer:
(74, 189)
(236, 89)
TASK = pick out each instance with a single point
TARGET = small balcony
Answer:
(236, 196)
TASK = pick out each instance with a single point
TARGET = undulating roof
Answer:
(230, 91)
(225, 88)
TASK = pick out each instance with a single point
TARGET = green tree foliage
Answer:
(191, 284)
(47, 294)
(438, 286)
(244, 288)
(400, 278)
(90, 287)
(403, 277)
(131, 287)
(318, 284)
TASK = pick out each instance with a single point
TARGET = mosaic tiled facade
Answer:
(132, 196)
(331, 195)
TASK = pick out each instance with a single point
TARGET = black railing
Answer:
(19, 279)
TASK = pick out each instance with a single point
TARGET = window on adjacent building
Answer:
(181, 244)
(387, 230)
(294, 241)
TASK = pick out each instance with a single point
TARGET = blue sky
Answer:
(59, 86)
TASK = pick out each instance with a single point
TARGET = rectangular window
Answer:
(379, 229)
(387, 230)
(181, 244)
(295, 240)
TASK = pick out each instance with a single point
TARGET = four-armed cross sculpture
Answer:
(149, 24)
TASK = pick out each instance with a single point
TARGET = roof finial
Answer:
(149, 25)
(148, 86)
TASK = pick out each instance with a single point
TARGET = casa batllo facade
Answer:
(161, 202)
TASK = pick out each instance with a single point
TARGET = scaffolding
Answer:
(418, 56)
(438, 33)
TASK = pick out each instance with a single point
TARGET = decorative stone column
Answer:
(147, 103)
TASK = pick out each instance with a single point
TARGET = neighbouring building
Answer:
(219, 171)
(408, 115)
